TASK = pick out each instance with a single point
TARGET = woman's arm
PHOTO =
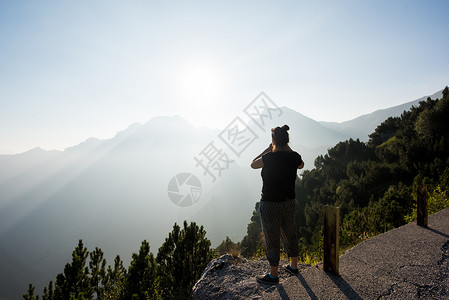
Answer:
(257, 162)
(302, 164)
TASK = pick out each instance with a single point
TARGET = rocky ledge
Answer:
(235, 278)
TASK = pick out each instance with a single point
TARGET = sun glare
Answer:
(200, 84)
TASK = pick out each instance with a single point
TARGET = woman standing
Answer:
(279, 164)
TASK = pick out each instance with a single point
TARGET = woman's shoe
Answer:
(267, 279)
(291, 270)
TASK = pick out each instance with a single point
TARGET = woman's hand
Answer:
(257, 162)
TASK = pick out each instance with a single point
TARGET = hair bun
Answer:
(285, 127)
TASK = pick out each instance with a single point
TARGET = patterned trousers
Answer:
(278, 222)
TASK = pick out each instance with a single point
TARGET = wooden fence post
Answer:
(331, 239)
(421, 206)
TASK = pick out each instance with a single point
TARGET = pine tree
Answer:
(182, 259)
(97, 265)
(48, 293)
(228, 246)
(77, 273)
(75, 282)
(141, 278)
(253, 238)
(61, 290)
(30, 293)
(115, 280)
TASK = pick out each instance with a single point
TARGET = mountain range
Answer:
(115, 193)
(364, 125)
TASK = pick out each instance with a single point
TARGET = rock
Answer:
(235, 278)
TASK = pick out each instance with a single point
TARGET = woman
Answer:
(279, 164)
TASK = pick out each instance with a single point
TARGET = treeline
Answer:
(373, 183)
(179, 263)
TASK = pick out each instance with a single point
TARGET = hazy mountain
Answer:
(114, 193)
(361, 127)
(13, 165)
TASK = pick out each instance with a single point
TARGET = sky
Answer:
(70, 70)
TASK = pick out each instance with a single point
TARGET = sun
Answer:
(200, 83)
(201, 91)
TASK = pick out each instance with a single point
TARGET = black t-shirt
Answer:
(279, 175)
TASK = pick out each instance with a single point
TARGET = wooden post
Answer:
(422, 206)
(331, 239)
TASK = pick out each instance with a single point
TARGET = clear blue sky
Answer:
(70, 70)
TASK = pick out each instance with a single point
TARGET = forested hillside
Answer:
(373, 183)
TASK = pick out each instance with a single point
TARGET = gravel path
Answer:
(410, 262)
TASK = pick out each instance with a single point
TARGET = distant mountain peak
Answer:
(364, 125)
